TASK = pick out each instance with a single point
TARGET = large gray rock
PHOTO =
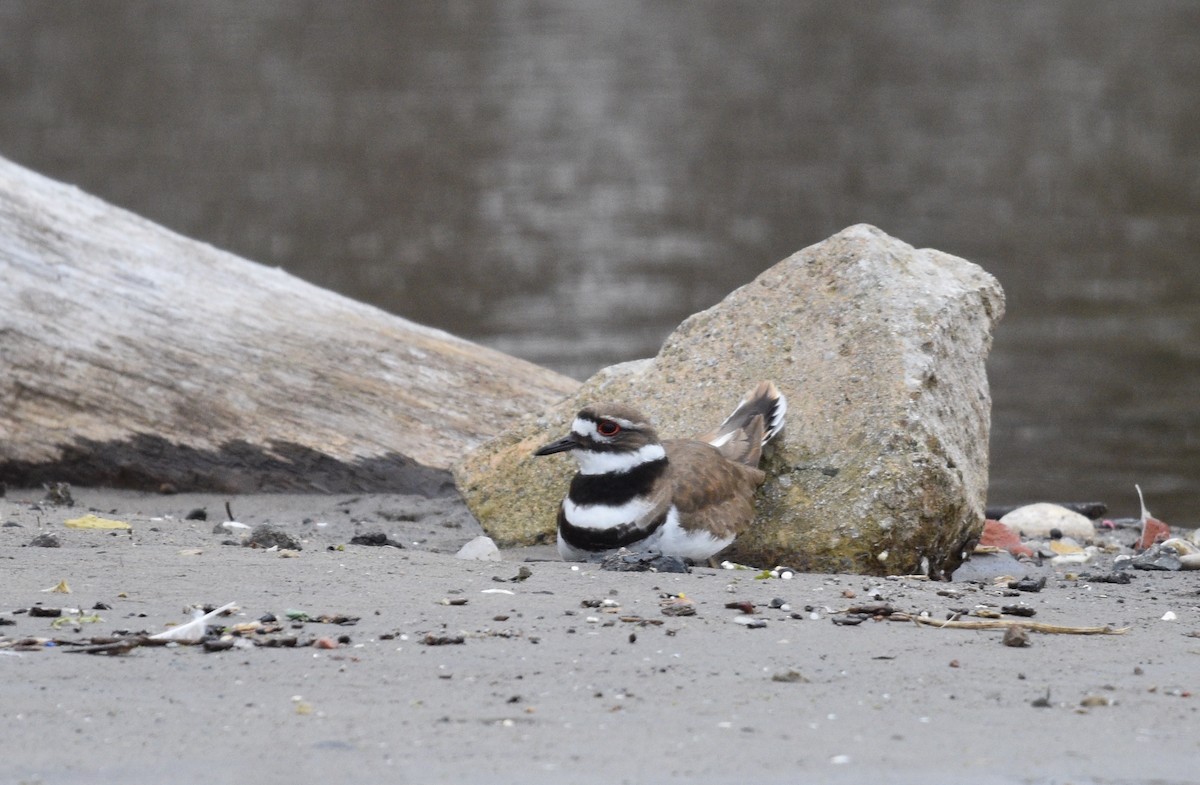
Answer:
(880, 349)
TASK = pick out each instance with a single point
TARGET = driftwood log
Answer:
(134, 357)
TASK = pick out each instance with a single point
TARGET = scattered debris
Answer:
(443, 640)
(58, 494)
(375, 539)
(193, 631)
(608, 604)
(230, 527)
(789, 677)
(45, 540)
(1153, 530)
(1157, 557)
(90, 521)
(1018, 610)
(1000, 536)
(1112, 577)
(878, 610)
(629, 561)
(78, 619)
(113, 646)
(59, 588)
(1092, 701)
(783, 573)
(999, 624)
(1028, 584)
(677, 605)
(198, 514)
(324, 618)
(522, 574)
(750, 622)
(1016, 636)
(267, 536)
(224, 643)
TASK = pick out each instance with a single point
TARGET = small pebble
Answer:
(266, 536)
(1016, 636)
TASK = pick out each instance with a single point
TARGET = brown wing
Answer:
(711, 492)
(744, 445)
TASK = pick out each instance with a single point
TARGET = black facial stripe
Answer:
(587, 442)
(615, 489)
(605, 539)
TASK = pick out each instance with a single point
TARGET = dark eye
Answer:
(607, 428)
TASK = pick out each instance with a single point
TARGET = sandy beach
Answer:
(470, 671)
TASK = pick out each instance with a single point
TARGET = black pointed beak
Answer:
(568, 442)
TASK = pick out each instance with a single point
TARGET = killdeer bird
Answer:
(687, 498)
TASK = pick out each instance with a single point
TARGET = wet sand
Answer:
(542, 688)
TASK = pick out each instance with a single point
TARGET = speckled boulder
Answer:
(880, 349)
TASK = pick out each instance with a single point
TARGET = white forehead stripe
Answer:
(582, 427)
(594, 462)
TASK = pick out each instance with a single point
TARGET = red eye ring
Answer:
(607, 428)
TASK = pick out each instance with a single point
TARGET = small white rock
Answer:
(1169, 616)
(1071, 558)
(482, 548)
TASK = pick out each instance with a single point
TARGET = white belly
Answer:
(672, 540)
(669, 540)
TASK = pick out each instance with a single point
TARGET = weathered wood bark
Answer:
(132, 356)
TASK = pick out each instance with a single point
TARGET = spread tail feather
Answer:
(757, 419)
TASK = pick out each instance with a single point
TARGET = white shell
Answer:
(1034, 521)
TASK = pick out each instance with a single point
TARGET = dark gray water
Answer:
(566, 181)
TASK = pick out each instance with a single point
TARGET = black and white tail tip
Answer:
(765, 400)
